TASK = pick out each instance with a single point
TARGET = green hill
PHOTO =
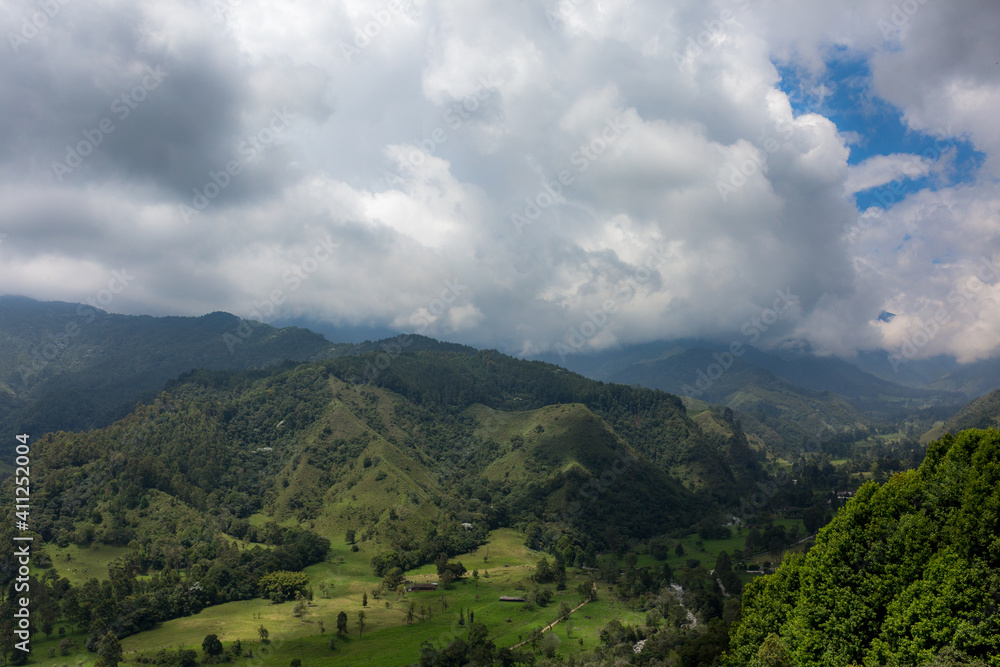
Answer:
(72, 367)
(230, 477)
(907, 573)
(769, 408)
(973, 380)
(983, 412)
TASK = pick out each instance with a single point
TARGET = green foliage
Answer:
(211, 645)
(282, 585)
(544, 573)
(903, 572)
(104, 363)
(109, 651)
(774, 653)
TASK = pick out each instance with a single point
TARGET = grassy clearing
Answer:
(78, 564)
(504, 564)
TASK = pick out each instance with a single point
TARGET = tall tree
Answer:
(109, 652)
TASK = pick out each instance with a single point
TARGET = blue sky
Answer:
(667, 222)
(844, 95)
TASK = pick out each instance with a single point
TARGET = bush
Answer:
(211, 645)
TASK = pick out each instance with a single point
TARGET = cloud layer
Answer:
(519, 175)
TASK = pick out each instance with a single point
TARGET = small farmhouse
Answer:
(421, 587)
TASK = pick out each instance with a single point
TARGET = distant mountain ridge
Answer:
(983, 412)
(67, 366)
(780, 399)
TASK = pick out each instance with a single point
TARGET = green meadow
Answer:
(504, 567)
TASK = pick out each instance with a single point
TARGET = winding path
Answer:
(556, 622)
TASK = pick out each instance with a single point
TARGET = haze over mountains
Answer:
(240, 452)
(58, 359)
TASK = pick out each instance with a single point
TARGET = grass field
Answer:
(78, 564)
(504, 565)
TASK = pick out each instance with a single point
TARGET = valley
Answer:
(373, 467)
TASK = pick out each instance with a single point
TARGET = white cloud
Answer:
(642, 144)
(882, 169)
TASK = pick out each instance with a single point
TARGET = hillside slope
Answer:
(772, 409)
(983, 412)
(905, 572)
(72, 367)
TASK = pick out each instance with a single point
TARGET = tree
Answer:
(282, 585)
(361, 623)
(409, 612)
(549, 645)
(774, 653)
(543, 571)
(349, 536)
(364, 599)
(333, 643)
(813, 518)
(342, 623)
(98, 628)
(393, 578)
(109, 651)
(211, 645)
(263, 633)
(679, 550)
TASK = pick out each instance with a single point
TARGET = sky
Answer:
(526, 175)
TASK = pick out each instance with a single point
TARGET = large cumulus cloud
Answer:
(499, 173)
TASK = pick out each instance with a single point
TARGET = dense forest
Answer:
(905, 570)
(231, 485)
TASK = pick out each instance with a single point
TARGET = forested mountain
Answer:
(984, 412)
(906, 571)
(770, 408)
(431, 436)
(400, 449)
(973, 380)
(225, 482)
(781, 400)
(71, 367)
